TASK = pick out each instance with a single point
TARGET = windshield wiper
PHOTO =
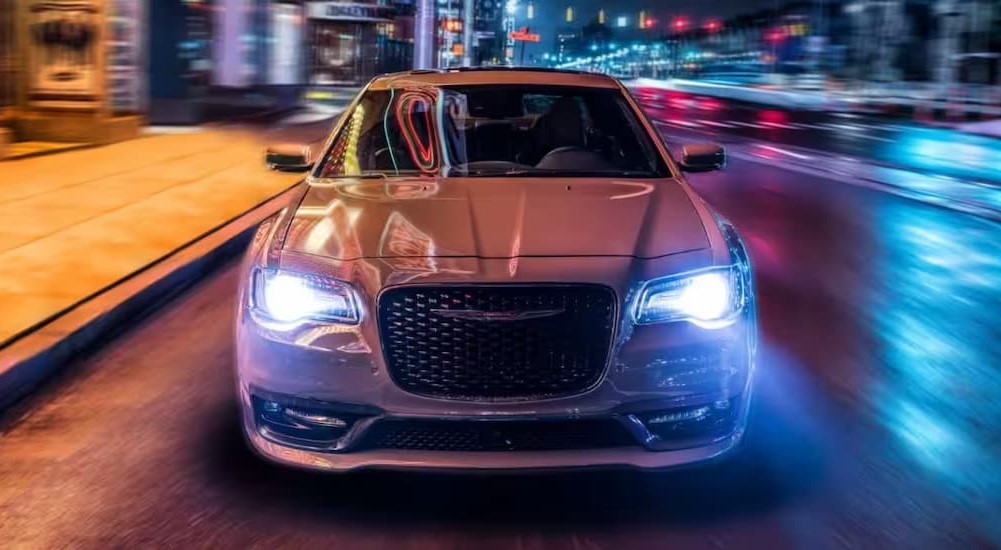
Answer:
(374, 174)
(561, 173)
(608, 173)
(491, 173)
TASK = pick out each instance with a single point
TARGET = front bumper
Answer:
(641, 448)
(476, 461)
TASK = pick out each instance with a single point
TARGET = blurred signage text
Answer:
(522, 35)
(345, 11)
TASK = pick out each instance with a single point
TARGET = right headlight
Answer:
(709, 298)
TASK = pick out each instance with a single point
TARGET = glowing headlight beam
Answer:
(710, 299)
(288, 297)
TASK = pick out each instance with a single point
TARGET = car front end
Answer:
(495, 323)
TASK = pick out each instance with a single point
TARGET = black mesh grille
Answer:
(535, 342)
(472, 436)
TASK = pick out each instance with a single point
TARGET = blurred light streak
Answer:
(782, 151)
(950, 152)
(936, 318)
(771, 115)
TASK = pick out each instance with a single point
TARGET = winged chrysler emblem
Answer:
(477, 315)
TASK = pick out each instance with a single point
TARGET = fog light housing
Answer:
(670, 418)
(314, 418)
(305, 426)
(700, 422)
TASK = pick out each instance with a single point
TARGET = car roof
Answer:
(492, 75)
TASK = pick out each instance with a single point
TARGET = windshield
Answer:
(487, 131)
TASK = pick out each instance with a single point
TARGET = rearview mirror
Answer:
(702, 157)
(289, 157)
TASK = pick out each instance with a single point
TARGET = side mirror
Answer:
(702, 157)
(289, 157)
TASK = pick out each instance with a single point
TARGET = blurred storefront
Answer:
(95, 71)
(6, 70)
(180, 58)
(350, 42)
(72, 70)
(210, 58)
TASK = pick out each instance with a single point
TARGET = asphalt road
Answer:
(904, 142)
(874, 423)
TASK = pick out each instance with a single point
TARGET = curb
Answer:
(52, 151)
(260, 117)
(33, 356)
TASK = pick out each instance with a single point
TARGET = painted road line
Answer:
(875, 138)
(683, 123)
(715, 123)
(782, 151)
(849, 127)
(779, 125)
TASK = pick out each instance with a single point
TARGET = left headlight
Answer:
(289, 297)
(709, 298)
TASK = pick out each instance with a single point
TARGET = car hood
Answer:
(495, 218)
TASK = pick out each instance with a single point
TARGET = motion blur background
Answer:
(864, 173)
(104, 67)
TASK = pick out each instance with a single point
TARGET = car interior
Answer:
(548, 132)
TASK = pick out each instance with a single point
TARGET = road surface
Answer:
(874, 425)
(893, 142)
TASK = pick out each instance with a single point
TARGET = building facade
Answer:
(347, 43)
(71, 70)
(94, 71)
(488, 36)
(7, 73)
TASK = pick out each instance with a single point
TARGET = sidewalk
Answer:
(74, 223)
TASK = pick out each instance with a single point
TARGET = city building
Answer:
(488, 38)
(448, 33)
